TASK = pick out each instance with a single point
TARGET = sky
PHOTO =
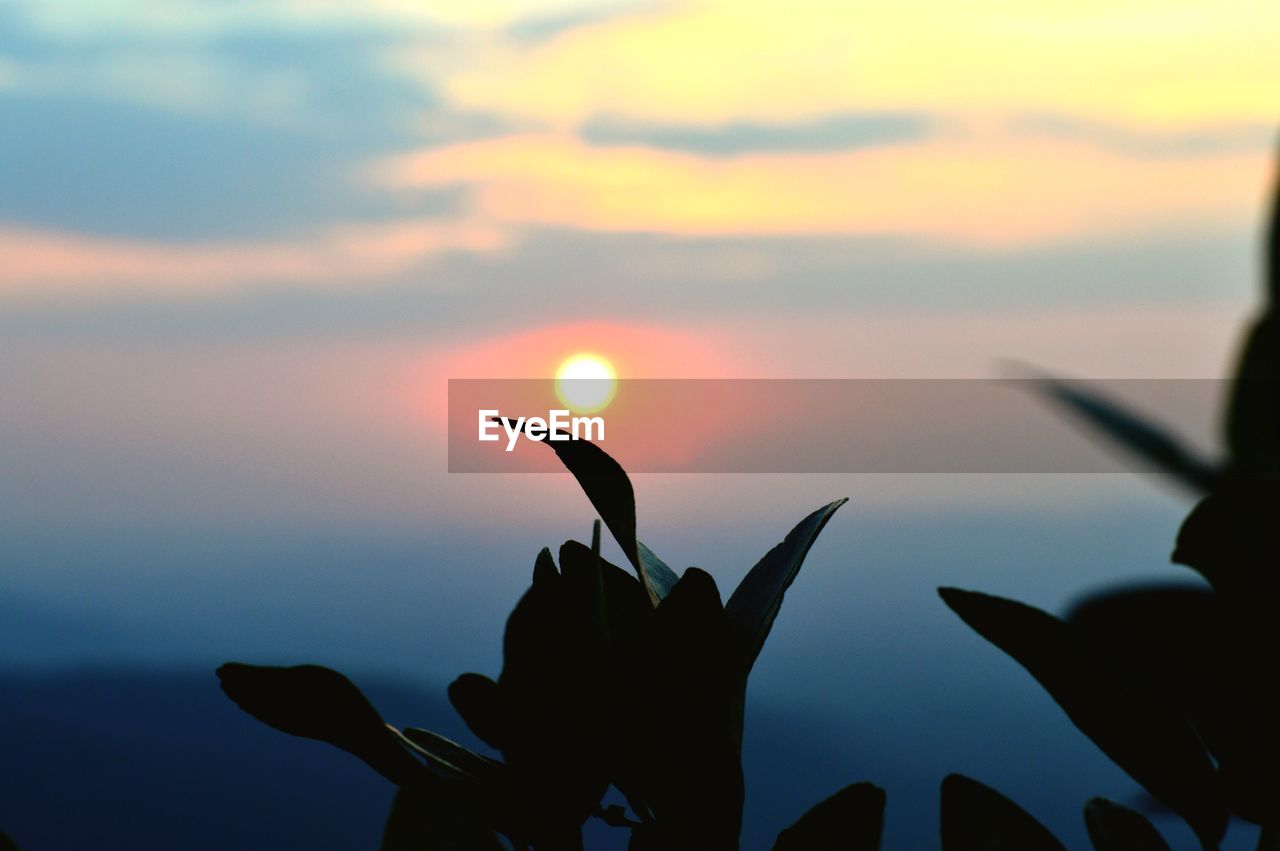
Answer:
(245, 245)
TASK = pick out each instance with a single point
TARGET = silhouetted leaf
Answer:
(609, 489)
(978, 818)
(7, 844)
(1156, 746)
(605, 483)
(556, 710)
(544, 570)
(449, 752)
(423, 820)
(319, 703)
(1116, 828)
(1232, 539)
(1253, 414)
(625, 605)
(475, 698)
(1132, 432)
(691, 760)
(754, 604)
(658, 578)
(850, 819)
(1188, 646)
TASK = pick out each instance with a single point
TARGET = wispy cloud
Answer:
(971, 189)
(43, 266)
(830, 133)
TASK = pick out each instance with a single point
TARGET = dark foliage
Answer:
(639, 682)
(608, 679)
(1173, 682)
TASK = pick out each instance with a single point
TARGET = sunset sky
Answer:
(244, 245)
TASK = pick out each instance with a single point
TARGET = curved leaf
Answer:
(1156, 746)
(1116, 828)
(1189, 646)
(1231, 538)
(609, 489)
(1252, 423)
(755, 602)
(606, 485)
(1253, 413)
(319, 703)
(475, 699)
(975, 817)
(556, 712)
(658, 578)
(691, 764)
(978, 818)
(446, 751)
(1132, 432)
(7, 844)
(851, 819)
(625, 611)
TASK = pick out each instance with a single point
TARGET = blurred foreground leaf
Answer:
(1132, 432)
(1156, 746)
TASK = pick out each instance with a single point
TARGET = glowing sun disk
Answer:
(586, 383)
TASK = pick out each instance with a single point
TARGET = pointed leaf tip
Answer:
(657, 577)
(545, 574)
(976, 817)
(1131, 431)
(851, 819)
(610, 492)
(754, 604)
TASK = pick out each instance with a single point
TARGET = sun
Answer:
(585, 383)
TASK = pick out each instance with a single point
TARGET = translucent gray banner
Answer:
(817, 425)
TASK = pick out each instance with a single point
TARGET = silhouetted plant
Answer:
(1174, 681)
(607, 679)
(640, 682)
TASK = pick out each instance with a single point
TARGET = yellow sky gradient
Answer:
(990, 191)
(1148, 62)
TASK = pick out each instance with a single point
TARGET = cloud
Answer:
(978, 190)
(44, 266)
(1145, 62)
(829, 133)
(552, 277)
(1204, 141)
(74, 20)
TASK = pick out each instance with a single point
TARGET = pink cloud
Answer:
(51, 264)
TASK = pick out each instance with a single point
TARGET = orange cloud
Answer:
(44, 264)
(977, 189)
